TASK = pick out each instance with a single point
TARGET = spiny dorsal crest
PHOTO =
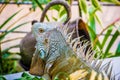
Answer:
(79, 46)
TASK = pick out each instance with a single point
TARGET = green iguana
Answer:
(57, 53)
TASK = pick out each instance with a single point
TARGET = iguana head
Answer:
(42, 33)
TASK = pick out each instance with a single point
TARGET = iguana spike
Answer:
(69, 36)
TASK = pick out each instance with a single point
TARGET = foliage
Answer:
(2, 78)
(92, 19)
(26, 76)
(112, 1)
(9, 61)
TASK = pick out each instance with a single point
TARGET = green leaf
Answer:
(96, 4)
(5, 55)
(40, 6)
(83, 6)
(10, 56)
(106, 37)
(43, 1)
(27, 76)
(55, 7)
(116, 34)
(112, 1)
(34, 5)
(24, 74)
(93, 36)
(70, 2)
(91, 22)
(106, 0)
(98, 19)
(92, 10)
(62, 12)
(14, 57)
(109, 55)
(2, 78)
(36, 78)
(117, 53)
(16, 1)
(63, 18)
(8, 20)
(54, 18)
(2, 36)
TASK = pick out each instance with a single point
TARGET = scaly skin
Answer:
(54, 55)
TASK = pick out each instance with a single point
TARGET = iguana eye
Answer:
(41, 30)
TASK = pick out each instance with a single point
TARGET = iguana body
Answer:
(56, 53)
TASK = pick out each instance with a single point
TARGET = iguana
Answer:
(28, 42)
(57, 53)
